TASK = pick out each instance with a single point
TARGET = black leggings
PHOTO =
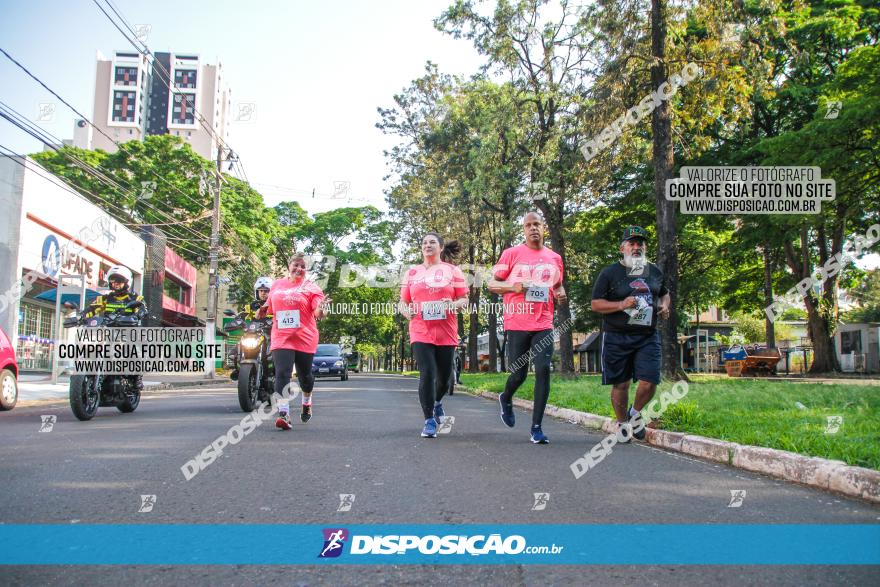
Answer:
(284, 360)
(435, 369)
(523, 345)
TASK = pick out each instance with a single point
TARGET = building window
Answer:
(185, 78)
(183, 109)
(176, 291)
(123, 106)
(125, 76)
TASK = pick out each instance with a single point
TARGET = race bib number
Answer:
(538, 294)
(642, 314)
(433, 311)
(288, 319)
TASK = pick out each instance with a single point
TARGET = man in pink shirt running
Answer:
(430, 295)
(530, 277)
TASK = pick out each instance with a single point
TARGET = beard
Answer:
(635, 264)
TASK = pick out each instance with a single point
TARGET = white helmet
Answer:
(120, 271)
(262, 283)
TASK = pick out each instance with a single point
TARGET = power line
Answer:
(84, 117)
(35, 130)
(38, 133)
(168, 81)
(313, 192)
(146, 51)
(20, 159)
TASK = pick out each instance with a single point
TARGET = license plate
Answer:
(323, 369)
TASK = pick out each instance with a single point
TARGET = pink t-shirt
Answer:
(292, 306)
(532, 309)
(423, 285)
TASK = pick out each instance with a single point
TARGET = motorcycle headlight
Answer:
(337, 364)
(250, 343)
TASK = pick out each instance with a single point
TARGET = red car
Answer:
(8, 374)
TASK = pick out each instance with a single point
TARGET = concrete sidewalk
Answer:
(38, 387)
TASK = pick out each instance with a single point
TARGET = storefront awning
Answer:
(72, 298)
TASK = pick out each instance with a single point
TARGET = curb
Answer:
(196, 383)
(829, 475)
(147, 389)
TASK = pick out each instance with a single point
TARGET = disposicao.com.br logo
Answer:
(431, 544)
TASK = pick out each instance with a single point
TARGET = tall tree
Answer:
(547, 61)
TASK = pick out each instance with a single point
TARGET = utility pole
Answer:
(213, 277)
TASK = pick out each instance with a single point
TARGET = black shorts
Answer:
(630, 356)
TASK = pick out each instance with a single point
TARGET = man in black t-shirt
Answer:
(631, 295)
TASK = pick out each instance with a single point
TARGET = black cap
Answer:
(631, 232)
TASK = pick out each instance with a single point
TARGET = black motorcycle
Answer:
(88, 392)
(253, 361)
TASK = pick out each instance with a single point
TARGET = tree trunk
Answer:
(824, 355)
(501, 348)
(492, 320)
(473, 321)
(473, 333)
(769, 330)
(819, 326)
(663, 161)
(563, 311)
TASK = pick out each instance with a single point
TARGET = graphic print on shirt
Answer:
(287, 319)
(643, 312)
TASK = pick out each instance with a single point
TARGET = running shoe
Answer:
(306, 414)
(638, 426)
(507, 412)
(430, 429)
(438, 413)
(538, 436)
(283, 421)
(624, 432)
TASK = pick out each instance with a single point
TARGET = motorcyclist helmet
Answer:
(264, 283)
(120, 278)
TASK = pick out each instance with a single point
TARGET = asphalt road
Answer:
(364, 440)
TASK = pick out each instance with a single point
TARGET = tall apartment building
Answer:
(133, 99)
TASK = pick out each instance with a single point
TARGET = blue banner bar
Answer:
(219, 544)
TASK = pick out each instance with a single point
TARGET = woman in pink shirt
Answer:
(296, 305)
(430, 295)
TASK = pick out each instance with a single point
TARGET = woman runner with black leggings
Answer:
(430, 295)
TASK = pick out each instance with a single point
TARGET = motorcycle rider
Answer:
(117, 299)
(261, 292)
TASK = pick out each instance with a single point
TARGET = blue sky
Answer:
(316, 72)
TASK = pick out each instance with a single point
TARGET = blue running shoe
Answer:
(507, 412)
(438, 413)
(430, 429)
(538, 436)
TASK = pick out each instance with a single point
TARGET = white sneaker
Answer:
(624, 432)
